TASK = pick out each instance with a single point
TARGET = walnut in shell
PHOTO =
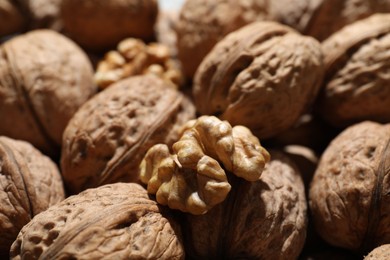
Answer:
(380, 253)
(192, 179)
(11, 17)
(44, 79)
(202, 23)
(357, 73)
(265, 219)
(29, 183)
(134, 57)
(109, 135)
(115, 221)
(349, 192)
(100, 24)
(263, 76)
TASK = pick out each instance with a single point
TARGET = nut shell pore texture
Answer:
(29, 183)
(262, 76)
(265, 219)
(115, 221)
(44, 79)
(348, 194)
(107, 138)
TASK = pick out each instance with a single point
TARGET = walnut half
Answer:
(192, 179)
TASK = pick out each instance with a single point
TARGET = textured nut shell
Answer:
(380, 253)
(321, 18)
(115, 221)
(202, 23)
(259, 220)
(44, 79)
(107, 138)
(12, 20)
(101, 24)
(348, 197)
(262, 76)
(357, 73)
(29, 183)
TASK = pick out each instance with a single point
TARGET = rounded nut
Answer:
(202, 23)
(263, 76)
(99, 24)
(12, 18)
(115, 221)
(321, 18)
(349, 192)
(42, 13)
(357, 74)
(109, 135)
(44, 79)
(265, 219)
(380, 253)
(29, 184)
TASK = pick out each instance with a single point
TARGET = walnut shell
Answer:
(265, 219)
(12, 19)
(29, 183)
(380, 253)
(202, 23)
(321, 18)
(349, 192)
(357, 74)
(109, 135)
(100, 24)
(263, 76)
(44, 79)
(115, 221)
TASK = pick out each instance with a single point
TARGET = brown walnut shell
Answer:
(29, 183)
(321, 18)
(12, 19)
(349, 192)
(357, 76)
(100, 24)
(265, 219)
(115, 221)
(44, 79)
(263, 76)
(109, 135)
(202, 23)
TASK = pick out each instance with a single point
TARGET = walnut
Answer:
(100, 24)
(192, 179)
(15, 21)
(202, 23)
(263, 76)
(380, 253)
(29, 183)
(44, 79)
(134, 57)
(109, 135)
(115, 221)
(357, 63)
(349, 192)
(41, 13)
(321, 18)
(265, 219)
(165, 29)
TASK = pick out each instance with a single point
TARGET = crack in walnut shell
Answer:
(263, 76)
(116, 221)
(29, 184)
(192, 179)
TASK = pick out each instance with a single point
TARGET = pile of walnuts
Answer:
(228, 129)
